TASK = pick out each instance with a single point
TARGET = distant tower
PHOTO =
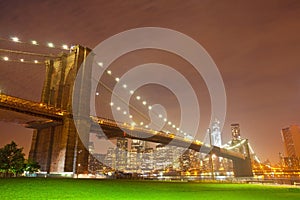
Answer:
(235, 131)
(291, 139)
(242, 168)
(216, 138)
(121, 154)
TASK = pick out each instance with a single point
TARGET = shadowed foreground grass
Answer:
(38, 188)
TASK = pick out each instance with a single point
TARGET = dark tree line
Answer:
(13, 162)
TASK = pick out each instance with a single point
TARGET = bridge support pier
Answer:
(54, 148)
(59, 149)
(242, 168)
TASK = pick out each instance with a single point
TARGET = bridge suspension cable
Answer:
(139, 98)
(36, 43)
(28, 53)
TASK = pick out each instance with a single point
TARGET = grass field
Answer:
(38, 188)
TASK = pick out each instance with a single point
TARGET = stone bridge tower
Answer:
(242, 168)
(57, 147)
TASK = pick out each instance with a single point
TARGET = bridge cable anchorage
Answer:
(109, 72)
(35, 43)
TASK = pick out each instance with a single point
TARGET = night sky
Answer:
(255, 44)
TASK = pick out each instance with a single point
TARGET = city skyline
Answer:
(254, 45)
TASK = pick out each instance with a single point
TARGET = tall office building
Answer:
(110, 158)
(235, 131)
(163, 157)
(134, 156)
(148, 160)
(291, 140)
(121, 154)
(185, 161)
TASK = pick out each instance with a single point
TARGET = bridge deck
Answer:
(111, 129)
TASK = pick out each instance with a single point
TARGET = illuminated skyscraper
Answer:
(121, 154)
(110, 158)
(291, 139)
(235, 131)
(216, 138)
(134, 156)
(148, 160)
(163, 157)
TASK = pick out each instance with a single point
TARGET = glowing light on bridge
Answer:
(124, 86)
(34, 42)
(138, 97)
(15, 39)
(131, 91)
(144, 102)
(109, 72)
(117, 79)
(50, 44)
(149, 107)
(100, 64)
(111, 103)
(97, 93)
(22, 60)
(64, 46)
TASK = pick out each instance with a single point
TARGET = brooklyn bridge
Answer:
(56, 143)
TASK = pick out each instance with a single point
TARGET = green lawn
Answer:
(39, 188)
